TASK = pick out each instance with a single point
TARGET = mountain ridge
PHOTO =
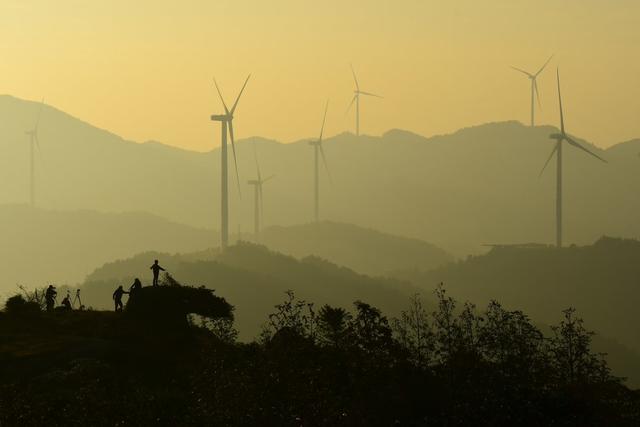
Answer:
(344, 134)
(457, 191)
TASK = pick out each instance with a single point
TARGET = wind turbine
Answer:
(557, 150)
(258, 200)
(534, 87)
(34, 143)
(226, 120)
(318, 150)
(356, 99)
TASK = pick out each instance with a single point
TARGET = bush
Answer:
(17, 305)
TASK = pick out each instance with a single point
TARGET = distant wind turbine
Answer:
(356, 98)
(557, 151)
(534, 87)
(226, 120)
(34, 142)
(258, 199)
(318, 150)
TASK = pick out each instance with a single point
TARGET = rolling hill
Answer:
(364, 250)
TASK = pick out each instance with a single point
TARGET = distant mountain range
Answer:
(478, 185)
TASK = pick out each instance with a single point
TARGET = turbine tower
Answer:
(534, 87)
(557, 151)
(356, 98)
(226, 121)
(318, 150)
(34, 143)
(258, 199)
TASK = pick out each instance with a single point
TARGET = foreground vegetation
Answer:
(310, 366)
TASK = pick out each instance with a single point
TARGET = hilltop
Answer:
(458, 191)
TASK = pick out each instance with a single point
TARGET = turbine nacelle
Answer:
(221, 118)
(557, 136)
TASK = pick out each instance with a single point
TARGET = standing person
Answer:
(50, 297)
(156, 272)
(117, 297)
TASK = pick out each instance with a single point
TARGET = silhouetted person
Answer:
(117, 297)
(137, 285)
(156, 272)
(50, 297)
(66, 303)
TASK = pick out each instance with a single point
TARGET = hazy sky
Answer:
(144, 69)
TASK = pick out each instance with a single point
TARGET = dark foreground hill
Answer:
(254, 279)
(364, 250)
(342, 366)
(66, 246)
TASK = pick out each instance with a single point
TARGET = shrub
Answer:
(17, 305)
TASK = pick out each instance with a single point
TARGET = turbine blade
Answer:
(235, 158)
(354, 78)
(560, 102)
(351, 104)
(324, 119)
(586, 150)
(226, 110)
(324, 161)
(544, 66)
(235, 104)
(523, 72)
(553, 152)
(370, 94)
(269, 178)
(535, 86)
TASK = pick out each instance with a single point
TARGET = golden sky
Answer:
(143, 69)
